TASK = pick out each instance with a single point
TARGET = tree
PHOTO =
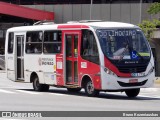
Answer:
(149, 26)
(154, 8)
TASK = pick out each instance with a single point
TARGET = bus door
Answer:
(20, 57)
(71, 57)
(10, 57)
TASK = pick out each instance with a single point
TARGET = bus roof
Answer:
(74, 25)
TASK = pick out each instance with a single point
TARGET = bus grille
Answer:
(132, 69)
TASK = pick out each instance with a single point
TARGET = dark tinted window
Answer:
(89, 50)
(34, 42)
(10, 42)
(52, 42)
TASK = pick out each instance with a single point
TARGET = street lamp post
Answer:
(140, 11)
(91, 9)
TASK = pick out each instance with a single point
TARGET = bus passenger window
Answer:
(52, 42)
(10, 42)
(89, 50)
(34, 42)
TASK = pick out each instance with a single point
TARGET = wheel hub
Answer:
(90, 88)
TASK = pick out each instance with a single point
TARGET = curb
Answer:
(2, 71)
(157, 81)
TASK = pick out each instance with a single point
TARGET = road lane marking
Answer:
(140, 95)
(150, 89)
(28, 92)
(57, 94)
(11, 119)
(6, 91)
(157, 97)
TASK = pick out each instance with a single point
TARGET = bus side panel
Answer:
(43, 65)
(88, 68)
(48, 65)
(59, 70)
(92, 70)
(32, 63)
(27, 75)
(10, 59)
(60, 65)
(10, 67)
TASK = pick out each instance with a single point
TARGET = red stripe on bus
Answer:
(114, 69)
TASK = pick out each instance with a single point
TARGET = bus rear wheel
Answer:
(132, 92)
(89, 89)
(39, 87)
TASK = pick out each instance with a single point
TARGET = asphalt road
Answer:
(21, 97)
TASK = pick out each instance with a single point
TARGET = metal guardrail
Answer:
(2, 62)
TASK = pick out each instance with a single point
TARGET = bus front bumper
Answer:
(110, 82)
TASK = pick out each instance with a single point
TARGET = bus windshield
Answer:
(121, 44)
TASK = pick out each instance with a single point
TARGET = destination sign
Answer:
(106, 33)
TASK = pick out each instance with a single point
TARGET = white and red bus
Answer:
(94, 55)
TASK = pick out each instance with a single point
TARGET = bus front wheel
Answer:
(39, 87)
(132, 92)
(89, 89)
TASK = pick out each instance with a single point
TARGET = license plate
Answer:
(137, 74)
(133, 80)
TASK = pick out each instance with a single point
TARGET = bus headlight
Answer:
(108, 71)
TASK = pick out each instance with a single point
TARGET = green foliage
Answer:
(154, 8)
(148, 27)
(156, 22)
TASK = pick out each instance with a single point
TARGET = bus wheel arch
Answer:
(87, 84)
(36, 85)
(33, 75)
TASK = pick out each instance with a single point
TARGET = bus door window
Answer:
(20, 56)
(10, 42)
(69, 44)
(75, 45)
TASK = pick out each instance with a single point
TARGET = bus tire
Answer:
(74, 89)
(132, 92)
(89, 89)
(39, 87)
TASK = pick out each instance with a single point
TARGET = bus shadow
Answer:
(102, 95)
(124, 97)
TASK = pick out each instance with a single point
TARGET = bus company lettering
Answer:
(46, 61)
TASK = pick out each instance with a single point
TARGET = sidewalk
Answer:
(157, 82)
(2, 71)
